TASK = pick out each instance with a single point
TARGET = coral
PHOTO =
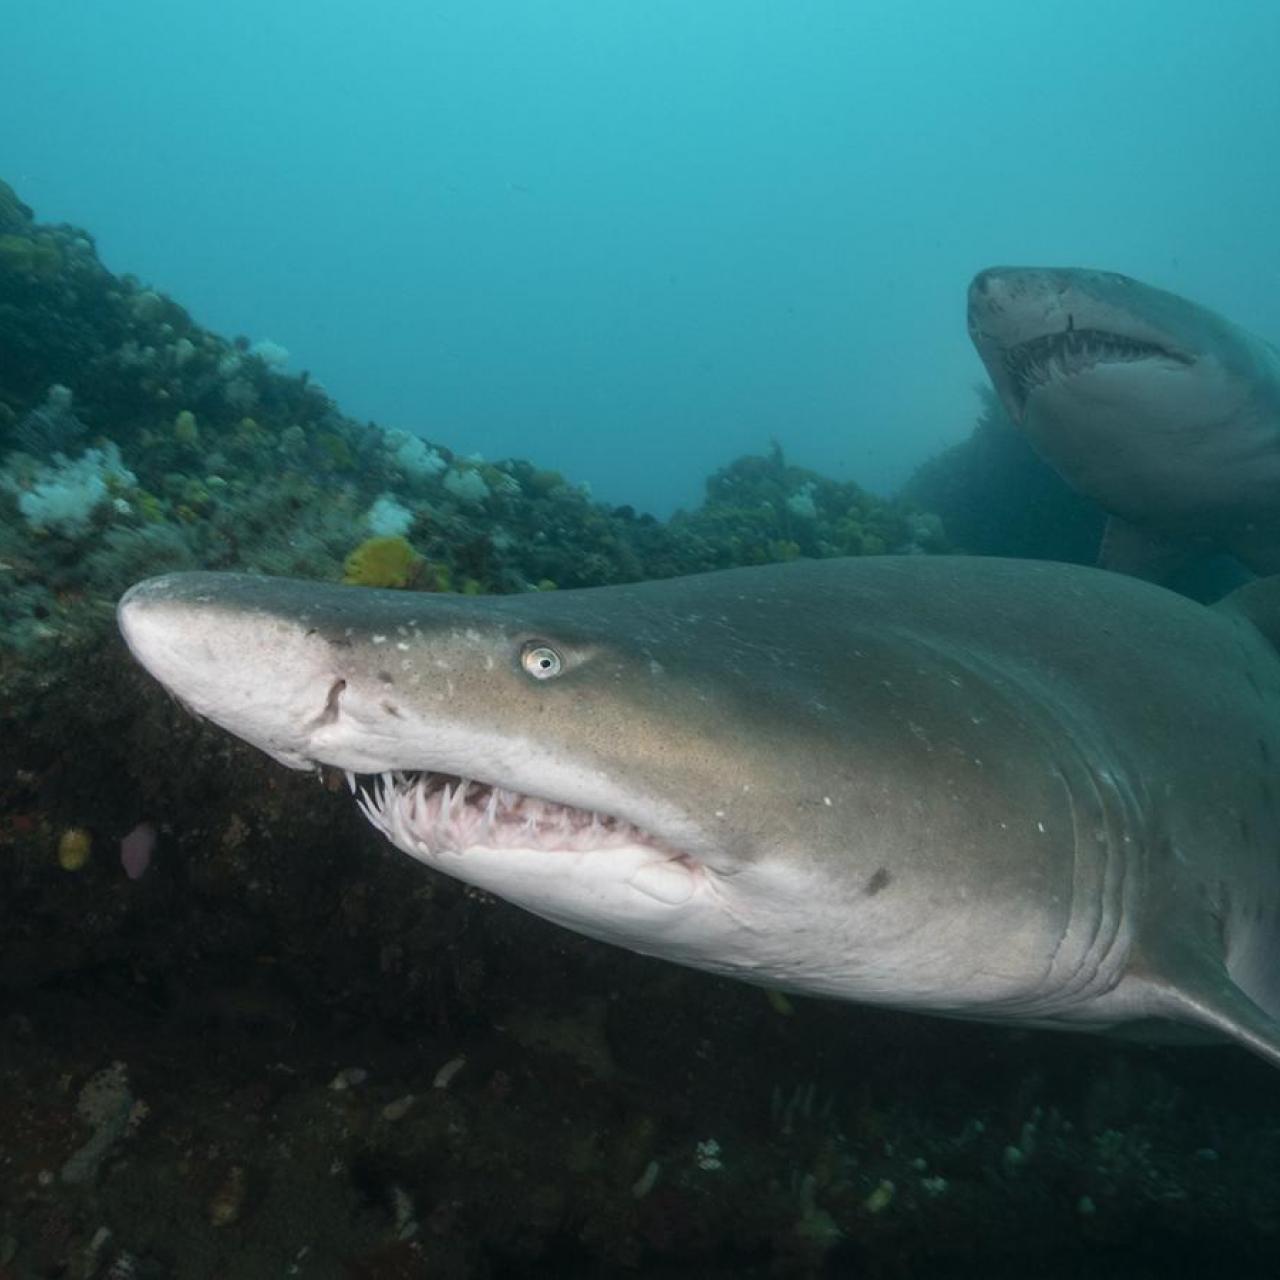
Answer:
(467, 485)
(801, 502)
(36, 256)
(388, 518)
(50, 428)
(542, 483)
(62, 497)
(437, 576)
(272, 354)
(336, 451)
(75, 845)
(382, 562)
(413, 456)
(185, 429)
(13, 213)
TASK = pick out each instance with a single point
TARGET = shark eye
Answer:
(541, 661)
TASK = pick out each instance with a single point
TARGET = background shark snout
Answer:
(1008, 305)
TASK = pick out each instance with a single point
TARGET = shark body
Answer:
(1006, 790)
(1163, 412)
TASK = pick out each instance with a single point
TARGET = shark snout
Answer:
(270, 680)
(985, 284)
(1008, 305)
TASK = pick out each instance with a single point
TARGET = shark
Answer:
(1163, 412)
(1012, 791)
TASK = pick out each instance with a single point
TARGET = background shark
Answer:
(1161, 411)
(1005, 790)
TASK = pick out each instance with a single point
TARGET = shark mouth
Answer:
(1055, 356)
(428, 814)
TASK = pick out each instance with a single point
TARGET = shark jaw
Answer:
(609, 879)
(1070, 332)
(501, 834)
(503, 814)
(1054, 358)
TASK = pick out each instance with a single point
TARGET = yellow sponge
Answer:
(382, 562)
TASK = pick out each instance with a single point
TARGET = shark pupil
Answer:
(541, 661)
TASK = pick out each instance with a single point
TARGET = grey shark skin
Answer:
(1007, 790)
(1163, 412)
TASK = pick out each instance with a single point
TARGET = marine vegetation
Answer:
(997, 497)
(382, 562)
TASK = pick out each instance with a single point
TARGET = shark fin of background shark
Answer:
(1138, 552)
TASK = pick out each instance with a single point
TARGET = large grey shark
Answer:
(1163, 412)
(1007, 790)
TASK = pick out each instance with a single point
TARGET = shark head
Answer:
(687, 768)
(492, 756)
(562, 750)
(1143, 400)
(1050, 336)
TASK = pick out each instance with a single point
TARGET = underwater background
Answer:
(507, 297)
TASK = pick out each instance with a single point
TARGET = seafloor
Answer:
(274, 1047)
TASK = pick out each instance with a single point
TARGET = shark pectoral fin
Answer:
(1139, 552)
(1194, 989)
